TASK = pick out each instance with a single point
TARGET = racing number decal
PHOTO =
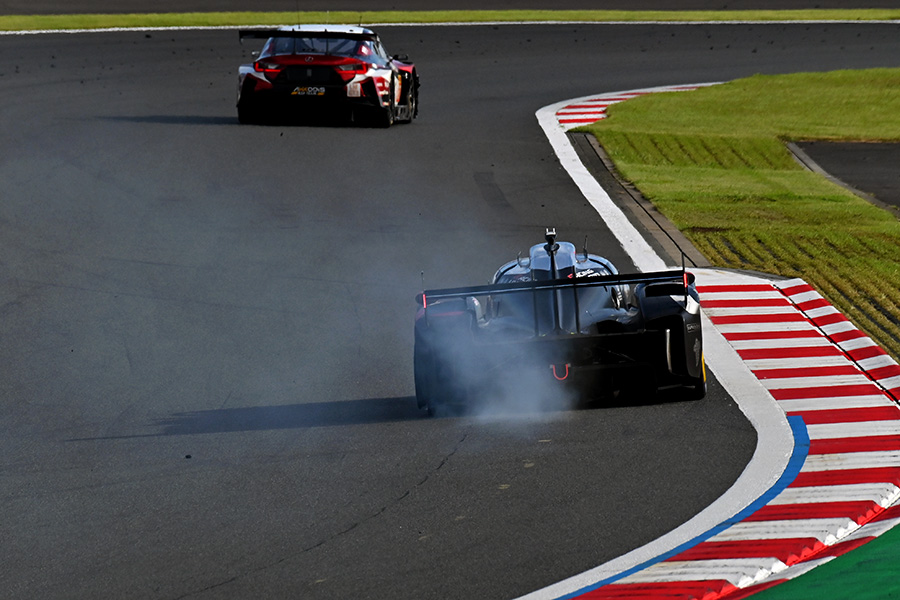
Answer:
(308, 91)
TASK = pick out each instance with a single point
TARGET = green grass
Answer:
(235, 19)
(714, 162)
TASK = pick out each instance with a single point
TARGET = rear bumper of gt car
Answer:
(261, 92)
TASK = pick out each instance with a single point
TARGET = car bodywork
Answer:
(309, 69)
(565, 321)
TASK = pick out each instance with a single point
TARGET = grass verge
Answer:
(236, 19)
(714, 162)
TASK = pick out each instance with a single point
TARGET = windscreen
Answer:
(353, 47)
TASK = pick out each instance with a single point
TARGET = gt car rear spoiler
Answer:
(264, 34)
(659, 283)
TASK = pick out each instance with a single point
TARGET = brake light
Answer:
(270, 69)
(353, 67)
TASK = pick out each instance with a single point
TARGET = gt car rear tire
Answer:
(247, 109)
(247, 115)
(388, 115)
(411, 104)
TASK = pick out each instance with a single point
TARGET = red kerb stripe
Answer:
(756, 302)
(713, 588)
(866, 352)
(826, 391)
(787, 550)
(807, 372)
(797, 289)
(884, 372)
(829, 319)
(859, 511)
(843, 336)
(773, 335)
(847, 477)
(776, 318)
(855, 444)
(848, 415)
(753, 287)
(813, 304)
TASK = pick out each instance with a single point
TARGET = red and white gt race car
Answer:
(308, 69)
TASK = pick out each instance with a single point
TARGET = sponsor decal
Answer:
(311, 90)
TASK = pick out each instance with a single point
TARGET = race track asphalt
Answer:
(207, 327)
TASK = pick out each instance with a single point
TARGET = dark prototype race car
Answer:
(311, 69)
(559, 321)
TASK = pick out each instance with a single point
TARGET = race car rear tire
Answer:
(695, 390)
(388, 115)
(247, 108)
(411, 102)
(423, 374)
(247, 115)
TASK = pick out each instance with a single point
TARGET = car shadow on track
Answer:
(292, 416)
(365, 411)
(176, 119)
(330, 121)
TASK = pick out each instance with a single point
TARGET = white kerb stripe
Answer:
(882, 493)
(791, 383)
(807, 404)
(851, 460)
(827, 531)
(803, 362)
(740, 572)
(831, 431)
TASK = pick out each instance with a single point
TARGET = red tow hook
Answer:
(558, 378)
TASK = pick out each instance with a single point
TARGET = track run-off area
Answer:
(208, 328)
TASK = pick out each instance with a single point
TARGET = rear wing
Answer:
(659, 283)
(682, 279)
(264, 34)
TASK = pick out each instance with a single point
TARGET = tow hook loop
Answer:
(556, 375)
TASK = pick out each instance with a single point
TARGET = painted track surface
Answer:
(98, 456)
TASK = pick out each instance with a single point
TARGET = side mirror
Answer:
(400, 57)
